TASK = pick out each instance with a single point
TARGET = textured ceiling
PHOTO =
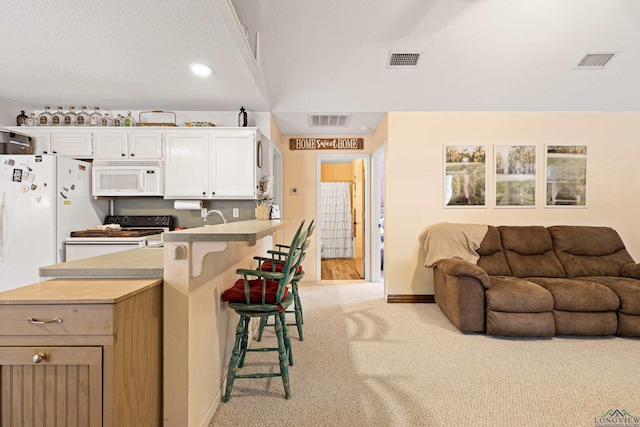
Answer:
(324, 56)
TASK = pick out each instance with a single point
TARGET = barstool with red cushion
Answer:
(275, 263)
(264, 295)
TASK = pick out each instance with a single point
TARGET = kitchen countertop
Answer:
(77, 291)
(139, 262)
(242, 231)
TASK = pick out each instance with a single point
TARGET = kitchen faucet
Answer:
(207, 213)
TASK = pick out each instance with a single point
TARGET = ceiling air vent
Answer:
(595, 61)
(322, 120)
(403, 60)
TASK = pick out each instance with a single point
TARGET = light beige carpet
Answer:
(368, 363)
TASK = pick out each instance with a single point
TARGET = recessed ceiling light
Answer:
(200, 69)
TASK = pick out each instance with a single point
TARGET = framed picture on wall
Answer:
(566, 176)
(514, 176)
(465, 175)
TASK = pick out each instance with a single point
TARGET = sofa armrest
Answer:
(459, 268)
(631, 270)
(461, 298)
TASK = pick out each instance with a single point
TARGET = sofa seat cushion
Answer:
(578, 295)
(585, 323)
(627, 290)
(628, 325)
(520, 324)
(510, 294)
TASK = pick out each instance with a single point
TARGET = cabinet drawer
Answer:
(59, 319)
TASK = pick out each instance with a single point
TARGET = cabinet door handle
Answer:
(37, 358)
(35, 321)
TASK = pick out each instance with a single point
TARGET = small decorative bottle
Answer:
(94, 119)
(242, 118)
(70, 117)
(82, 119)
(21, 119)
(129, 121)
(58, 117)
(118, 121)
(32, 120)
(105, 120)
(44, 119)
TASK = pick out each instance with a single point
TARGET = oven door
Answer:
(86, 247)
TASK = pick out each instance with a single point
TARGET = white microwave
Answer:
(127, 178)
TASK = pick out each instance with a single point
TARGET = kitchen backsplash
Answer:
(182, 218)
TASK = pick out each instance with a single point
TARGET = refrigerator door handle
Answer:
(2, 227)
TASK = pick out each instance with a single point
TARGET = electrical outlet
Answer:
(236, 212)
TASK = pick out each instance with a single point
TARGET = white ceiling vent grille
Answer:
(403, 60)
(323, 120)
(595, 61)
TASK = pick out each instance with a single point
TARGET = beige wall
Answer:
(299, 171)
(336, 173)
(9, 111)
(414, 178)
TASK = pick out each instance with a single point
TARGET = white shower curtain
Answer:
(336, 220)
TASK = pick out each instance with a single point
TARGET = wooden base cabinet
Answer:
(81, 352)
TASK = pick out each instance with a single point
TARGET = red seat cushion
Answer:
(268, 266)
(236, 293)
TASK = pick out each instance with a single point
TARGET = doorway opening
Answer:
(378, 214)
(342, 209)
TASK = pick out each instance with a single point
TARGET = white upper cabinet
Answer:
(233, 165)
(186, 164)
(212, 164)
(111, 144)
(71, 143)
(145, 144)
(67, 142)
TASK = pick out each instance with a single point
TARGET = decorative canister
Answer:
(262, 212)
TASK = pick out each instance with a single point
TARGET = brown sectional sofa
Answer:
(539, 281)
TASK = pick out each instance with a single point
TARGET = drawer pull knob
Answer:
(37, 358)
(42, 322)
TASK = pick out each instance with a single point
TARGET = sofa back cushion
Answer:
(492, 259)
(589, 251)
(529, 252)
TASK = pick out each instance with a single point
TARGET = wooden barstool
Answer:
(276, 263)
(261, 297)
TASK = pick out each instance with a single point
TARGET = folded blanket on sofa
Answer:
(450, 240)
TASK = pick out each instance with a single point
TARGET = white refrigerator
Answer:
(42, 199)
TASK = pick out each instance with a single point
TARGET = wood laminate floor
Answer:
(339, 269)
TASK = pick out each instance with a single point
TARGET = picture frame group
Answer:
(515, 176)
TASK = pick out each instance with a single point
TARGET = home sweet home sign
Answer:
(326, 143)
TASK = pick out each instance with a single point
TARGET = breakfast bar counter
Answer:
(242, 231)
